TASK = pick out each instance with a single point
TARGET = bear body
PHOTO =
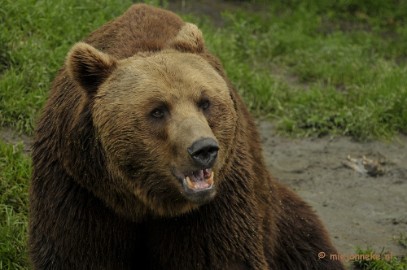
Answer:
(145, 157)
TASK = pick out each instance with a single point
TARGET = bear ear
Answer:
(188, 39)
(89, 67)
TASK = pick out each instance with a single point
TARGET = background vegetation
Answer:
(313, 67)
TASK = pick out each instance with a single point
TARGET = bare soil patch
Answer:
(360, 211)
(10, 136)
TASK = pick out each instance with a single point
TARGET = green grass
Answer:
(14, 171)
(317, 71)
(383, 260)
(313, 67)
(386, 262)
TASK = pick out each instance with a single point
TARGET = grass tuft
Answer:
(386, 262)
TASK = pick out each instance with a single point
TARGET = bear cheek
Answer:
(223, 122)
(119, 142)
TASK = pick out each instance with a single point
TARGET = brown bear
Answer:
(145, 157)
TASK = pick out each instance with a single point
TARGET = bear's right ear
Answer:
(89, 67)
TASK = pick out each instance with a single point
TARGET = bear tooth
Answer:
(210, 179)
(207, 173)
(190, 184)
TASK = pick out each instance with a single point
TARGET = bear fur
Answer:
(145, 157)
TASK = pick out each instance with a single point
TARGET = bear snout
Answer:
(204, 152)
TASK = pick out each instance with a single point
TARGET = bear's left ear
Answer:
(188, 39)
(89, 67)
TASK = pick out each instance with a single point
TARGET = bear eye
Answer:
(158, 113)
(204, 104)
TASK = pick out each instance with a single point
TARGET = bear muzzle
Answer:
(198, 181)
(203, 152)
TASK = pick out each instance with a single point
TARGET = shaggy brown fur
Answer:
(120, 139)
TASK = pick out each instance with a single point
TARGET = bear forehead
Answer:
(166, 70)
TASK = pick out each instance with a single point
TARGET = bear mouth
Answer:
(197, 181)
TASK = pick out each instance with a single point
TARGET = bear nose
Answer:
(204, 152)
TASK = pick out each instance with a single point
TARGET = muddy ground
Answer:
(360, 211)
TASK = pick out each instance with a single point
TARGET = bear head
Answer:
(165, 120)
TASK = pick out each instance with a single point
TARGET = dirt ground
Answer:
(359, 210)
